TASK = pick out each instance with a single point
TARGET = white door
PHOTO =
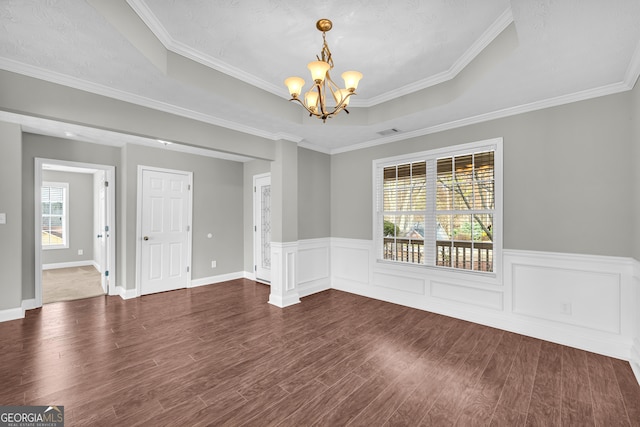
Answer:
(103, 234)
(262, 227)
(164, 230)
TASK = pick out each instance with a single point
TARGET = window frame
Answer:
(65, 214)
(431, 157)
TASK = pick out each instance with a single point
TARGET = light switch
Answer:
(3, 218)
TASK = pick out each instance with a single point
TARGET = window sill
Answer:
(53, 247)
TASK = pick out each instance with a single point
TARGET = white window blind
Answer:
(54, 215)
(439, 208)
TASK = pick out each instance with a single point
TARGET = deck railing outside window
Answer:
(477, 256)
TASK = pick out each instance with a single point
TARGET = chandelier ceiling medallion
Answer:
(315, 101)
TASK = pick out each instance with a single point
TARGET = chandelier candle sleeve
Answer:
(315, 100)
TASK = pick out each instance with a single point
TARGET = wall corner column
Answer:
(12, 222)
(284, 225)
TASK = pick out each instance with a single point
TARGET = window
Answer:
(440, 208)
(55, 220)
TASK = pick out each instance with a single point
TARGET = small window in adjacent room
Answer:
(55, 221)
(441, 208)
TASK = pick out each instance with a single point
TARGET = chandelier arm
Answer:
(332, 87)
(341, 105)
(321, 99)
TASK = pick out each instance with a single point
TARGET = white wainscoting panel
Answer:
(314, 261)
(284, 274)
(566, 295)
(400, 283)
(583, 301)
(635, 350)
(473, 296)
(350, 262)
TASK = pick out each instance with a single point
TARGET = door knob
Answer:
(99, 236)
(146, 237)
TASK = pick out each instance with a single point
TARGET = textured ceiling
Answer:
(428, 65)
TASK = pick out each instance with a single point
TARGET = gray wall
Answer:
(33, 97)
(217, 201)
(635, 111)
(10, 204)
(568, 180)
(284, 193)
(314, 199)
(81, 234)
(314, 194)
(217, 207)
(60, 149)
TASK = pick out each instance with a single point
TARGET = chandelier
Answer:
(315, 101)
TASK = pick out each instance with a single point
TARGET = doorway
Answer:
(262, 227)
(79, 261)
(163, 245)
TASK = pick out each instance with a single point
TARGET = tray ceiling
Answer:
(428, 65)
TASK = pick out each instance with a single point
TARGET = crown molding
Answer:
(631, 76)
(633, 70)
(498, 114)
(151, 21)
(314, 147)
(494, 30)
(98, 89)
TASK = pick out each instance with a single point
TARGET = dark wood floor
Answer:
(220, 355)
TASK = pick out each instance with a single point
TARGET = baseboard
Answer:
(125, 293)
(29, 304)
(53, 266)
(635, 359)
(11, 314)
(283, 302)
(216, 279)
(313, 287)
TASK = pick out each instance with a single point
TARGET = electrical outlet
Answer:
(213, 264)
(566, 307)
(80, 252)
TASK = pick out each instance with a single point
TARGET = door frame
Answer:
(256, 220)
(110, 256)
(189, 174)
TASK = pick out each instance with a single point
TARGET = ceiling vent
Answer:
(388, 132)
